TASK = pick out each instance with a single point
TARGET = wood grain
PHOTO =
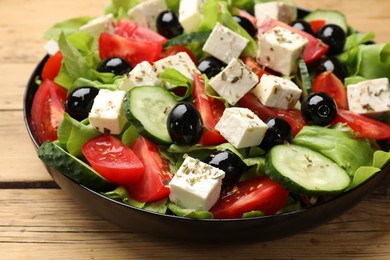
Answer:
(47, 224)
(39, 221)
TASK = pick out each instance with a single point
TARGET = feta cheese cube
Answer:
(234, 81)
(51, 47)
(101, 24)
(241, 127)
(146, 13)
(282, 11)
(274, 91)
(224, 44)
(280, 48)
(180, 61)
(190, 14)
(369, 96)
(141, 75)
(196, 185)
(106, 114)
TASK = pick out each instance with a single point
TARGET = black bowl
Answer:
(180, 228)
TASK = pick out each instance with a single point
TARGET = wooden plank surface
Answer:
(48, 225)
(42, 222)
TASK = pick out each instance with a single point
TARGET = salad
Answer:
(212, 108)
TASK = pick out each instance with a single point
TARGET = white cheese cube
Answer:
(369, 97)
(241, 127)
(180, 62)
(146, 13)
(224, 44)
(234, 81)
(196, 185)
(190, 14)
(141, 75)
(101, 24)
(274, 91)
(106, 114)
(51, 47)
(280, 48)
(282, 11)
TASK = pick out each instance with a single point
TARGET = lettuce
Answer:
(72, 134)
(67, 27)
(365, 61)
(119, 8)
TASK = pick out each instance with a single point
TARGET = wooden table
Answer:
(40, 221)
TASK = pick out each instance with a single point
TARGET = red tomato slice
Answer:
(153, 185)
(329, 83)
(293, 116)
(170, 51)
(132, 31)
(113, 159)
(317, 24)
(134, 52)
(314, 49)
(254, 66)
(48, 110)
(365, 127)
(256, 194)
(211, 110)
(52, 66)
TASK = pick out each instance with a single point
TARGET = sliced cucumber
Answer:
(62, 161)
(304, 171)
(330, 16)
(148, 108)
(303, 79)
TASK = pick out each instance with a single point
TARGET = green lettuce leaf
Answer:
(119, 8)
(67, 27)
(189, 213)
(340, 146)
(72, 134)
(122, 195)
(176, 80)
(173, 5)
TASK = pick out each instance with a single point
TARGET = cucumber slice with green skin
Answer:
(330, 16)
(304, 171)
(148, 108)
(62, 161)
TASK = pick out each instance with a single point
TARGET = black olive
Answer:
(319, 109)
(210, 66)
(79, 102)
(230, 163)
(246, 25)
(168, 24)
(334, 36)
(334, 65)
(184, 124)
(115, 65)
(302, 25)
(278, 132)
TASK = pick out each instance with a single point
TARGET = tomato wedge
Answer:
(153, 185)
(113, 159)
(261, 194)
(48, 110)
(363, 126)
(329, 83)
(293, 116)
(134, 52)
(52, 66)
(132, 31)
(315, 47)
(254, 66)
(211, 110)
(317, 24)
